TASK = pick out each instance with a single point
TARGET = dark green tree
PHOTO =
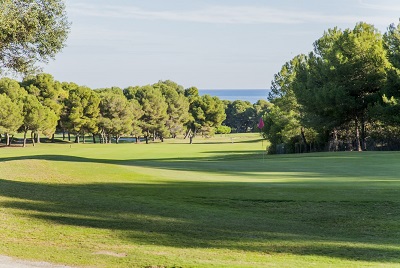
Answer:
(48, 91)
(37, 117)
(178, 106)
(343, 78)
(82, 112)
(154, 107)
(240, 116)
(116, 116)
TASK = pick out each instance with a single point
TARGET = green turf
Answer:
(210, 204)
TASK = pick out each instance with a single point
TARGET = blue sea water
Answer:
(251, 95)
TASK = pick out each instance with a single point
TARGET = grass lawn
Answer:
(216, 203)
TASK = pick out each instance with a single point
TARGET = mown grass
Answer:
(210, 204)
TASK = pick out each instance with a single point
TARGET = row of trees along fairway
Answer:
(342, 96)
(33, 31)
(40, 104)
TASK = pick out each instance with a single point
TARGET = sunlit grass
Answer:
(219, 202)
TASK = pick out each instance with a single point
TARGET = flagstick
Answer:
(260, 127)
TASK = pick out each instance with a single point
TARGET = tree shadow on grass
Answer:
(256, 164)
(217, 215)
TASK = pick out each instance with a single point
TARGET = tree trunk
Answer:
(63, 134)
(94, 138)
(154, 135)
(147, 139)
(83, 137)
(189, 132)
(363, 135)
(7, 139)
(38, 138)
(33, 138)
(77, 138)
(358, 143)
(24, 143)
(335, 140)
(303, 137)
(69, 136)
(52, 138)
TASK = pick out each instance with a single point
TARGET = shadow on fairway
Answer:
(238, 163)
(269, 217)
(217, 215)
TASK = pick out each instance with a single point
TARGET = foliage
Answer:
(207, 113)
(154, 106)
(10, 115)
(223, 130)
(116, 116)
(178, 106)
(48, 91)
(82, 111)
(240, 116)
(31, 31)
(35, 117)
(336, 87)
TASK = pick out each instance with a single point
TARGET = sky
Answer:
(210, 44)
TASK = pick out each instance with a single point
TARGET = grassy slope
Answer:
(213, 203)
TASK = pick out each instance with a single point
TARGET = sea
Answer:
(251, 95)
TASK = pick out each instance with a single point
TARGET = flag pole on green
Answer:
(260, 126)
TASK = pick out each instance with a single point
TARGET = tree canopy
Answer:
(335, 91)
(31, 31)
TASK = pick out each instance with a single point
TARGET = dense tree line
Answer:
(344, 95)
(34, 31)
(39, 105)
(242, 116)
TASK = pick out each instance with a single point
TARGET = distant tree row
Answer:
(345, 95)
(39, 105)
(242, 116)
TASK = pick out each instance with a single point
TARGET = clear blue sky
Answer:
(213, 44)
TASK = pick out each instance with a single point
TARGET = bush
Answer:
(223, 130)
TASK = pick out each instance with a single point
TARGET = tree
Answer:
(154, 106)
(208, 113)
(31, 31)
(116, 116)
(10, 116)
(391, 43)
(48, 91)
(286, 121)
(388, 108)
(223, 130)
(15, 93)
(37, 117)
(281, 127)
(12, 89)
(240, 116)
(343, 77)
(82, 111)
(178, 106)
(137, 113)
